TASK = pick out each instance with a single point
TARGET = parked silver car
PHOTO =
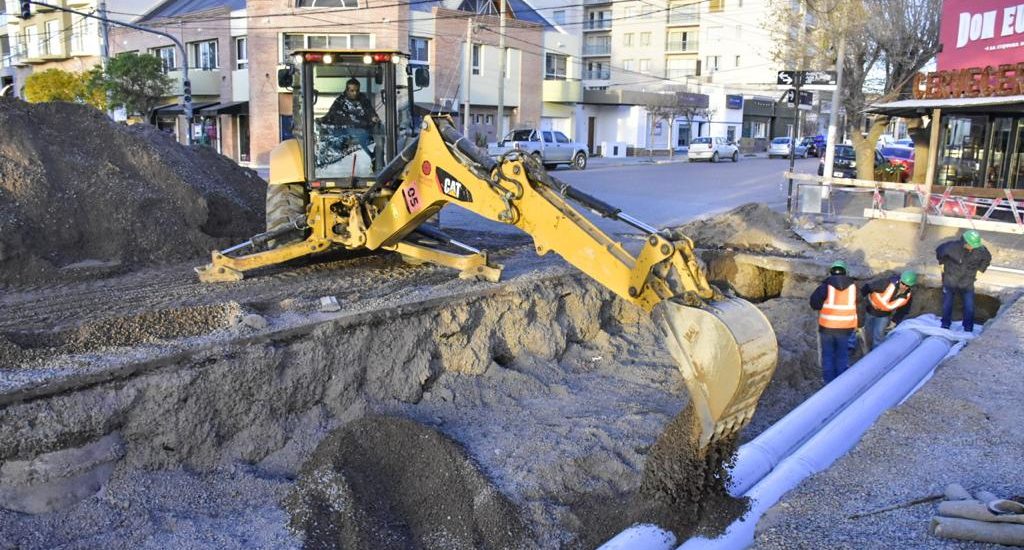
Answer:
(780, 147)
(712, 149)
(550, 147)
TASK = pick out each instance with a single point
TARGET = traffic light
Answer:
(26, 9)
(186, 92)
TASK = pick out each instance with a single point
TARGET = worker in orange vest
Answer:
(836, 302)
(888, 300)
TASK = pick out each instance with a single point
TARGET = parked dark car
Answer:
(846, 163)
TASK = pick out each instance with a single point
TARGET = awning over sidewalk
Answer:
(229, 108)
(918, 107)
(176, 109)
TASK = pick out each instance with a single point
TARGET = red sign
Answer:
(979, 33)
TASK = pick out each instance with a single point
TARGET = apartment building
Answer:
(56, 39)
(214, 33)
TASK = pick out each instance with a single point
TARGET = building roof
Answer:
(179, 8)
(519, 9)
(917, 107)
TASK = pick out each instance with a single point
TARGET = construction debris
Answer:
(81, 195)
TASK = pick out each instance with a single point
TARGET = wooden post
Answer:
(933, 155)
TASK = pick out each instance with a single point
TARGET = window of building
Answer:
(508, 61)
(32, 41)
(630, 13)
(680, 68)
(711, 63)
(645, 65)
(627, 39)
(327, 3)
(53, 43)
(555, 66)
(683, 13)
(291, 42)
(714, 33)
(476, 119)
(489, 119)
(79, 29)
(597, 45)
(681, 41)
(558, 16)
(715, 5)
(286, 127)
(478, 55)
(627, 64)
(203, 55)
(645, 39)
(167, 56)
(737, 61)
(241, 53)
(419, 50)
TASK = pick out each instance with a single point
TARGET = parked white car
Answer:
(780, 147)
(712, 149)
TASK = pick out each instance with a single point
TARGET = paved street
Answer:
(666, 194)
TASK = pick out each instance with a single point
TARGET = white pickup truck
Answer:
(550, 147)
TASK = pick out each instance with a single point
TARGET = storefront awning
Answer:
(229, 108)
(918, 107)
(176, 109)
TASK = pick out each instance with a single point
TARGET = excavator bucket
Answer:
(727, 353)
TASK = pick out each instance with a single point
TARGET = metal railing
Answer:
(597, 49)
(677, 46)
(597, 25)
(683, 18)
(599, 74)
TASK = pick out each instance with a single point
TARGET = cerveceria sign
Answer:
(1002, 80)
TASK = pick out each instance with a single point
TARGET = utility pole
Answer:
(104, 35)
(502, 68)
(469, 76)
(837, 102)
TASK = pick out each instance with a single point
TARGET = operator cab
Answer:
(350, 112)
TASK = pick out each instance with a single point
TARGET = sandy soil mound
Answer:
(753, 227)
(80, 192)
(386, 482)
(899, 241)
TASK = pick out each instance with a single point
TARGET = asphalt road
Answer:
(665, 194)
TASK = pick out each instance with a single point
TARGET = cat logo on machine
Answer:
(453, 187)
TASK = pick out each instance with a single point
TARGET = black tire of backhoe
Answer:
(285, 203)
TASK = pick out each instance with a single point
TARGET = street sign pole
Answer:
(798, 81)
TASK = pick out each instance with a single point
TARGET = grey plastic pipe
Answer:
(758, 457)
(831, 442)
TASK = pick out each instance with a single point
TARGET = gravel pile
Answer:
(964, 426)
(81, 195)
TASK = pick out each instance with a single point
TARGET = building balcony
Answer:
(599, 74)
(683, 19)
(596, 2)
(681, 46)
(597, 25)
(204, 83)
(563, 91)
(597, 49)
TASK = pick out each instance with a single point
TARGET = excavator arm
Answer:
(725, 347)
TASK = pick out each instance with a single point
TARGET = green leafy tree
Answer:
(60, 85)
(136, 82)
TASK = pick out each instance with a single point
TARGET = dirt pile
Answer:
(753, 227)
(900, 241)
(386, 482)
(81, 193)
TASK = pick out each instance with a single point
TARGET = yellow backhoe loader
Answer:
(374, 185)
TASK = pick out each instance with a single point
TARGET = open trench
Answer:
(519, 417)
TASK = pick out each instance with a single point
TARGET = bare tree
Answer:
(658, 113)
(894, 37)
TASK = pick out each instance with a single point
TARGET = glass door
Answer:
(1015, 178)
(999, 140)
